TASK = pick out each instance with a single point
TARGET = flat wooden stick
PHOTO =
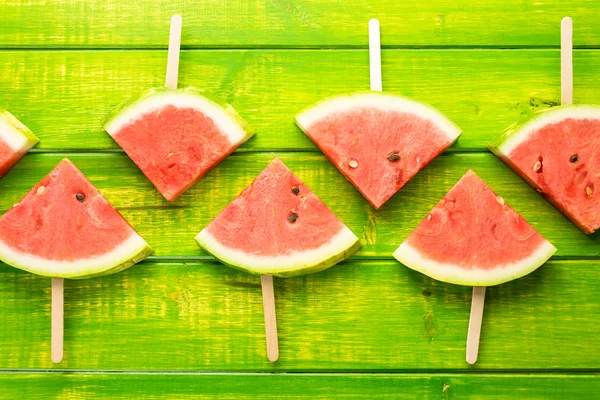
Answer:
(375, 55)
(57, 319)
(173, 57)
(566, 60)
(474, 332)
(268, 294)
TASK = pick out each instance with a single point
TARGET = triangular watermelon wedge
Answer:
(15, 141)
(65, 228)
(278, 226)
(176, 136)
(379, 141)
(472, 237)
(557, 151)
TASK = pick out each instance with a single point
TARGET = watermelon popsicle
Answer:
(176, 136)
(277, 227)
(473, 237)
(557, 151)
(378, 141)
(65, 228)
(15, 141)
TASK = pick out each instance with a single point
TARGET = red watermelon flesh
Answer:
(558, 153)
(472, 237)
(377, 140)
(278, 226)
(8, 157)
(64, 227)
(176, 136)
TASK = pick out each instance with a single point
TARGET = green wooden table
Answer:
(181, 324)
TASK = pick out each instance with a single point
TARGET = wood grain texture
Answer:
(292, 23)
(314, 386)
(170, 228)
(359, 315)
(63, 96)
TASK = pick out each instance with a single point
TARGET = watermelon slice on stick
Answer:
(15, 141)
(176, 136)
(65, 228)
(556, 150)
(472, 237)
(378, 141)
(277, 227)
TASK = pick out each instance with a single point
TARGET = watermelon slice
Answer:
(557, 151)
(278, 226)
(379, 141)
(65, 228)
(15, 141)
(472, 237)
(176, 136)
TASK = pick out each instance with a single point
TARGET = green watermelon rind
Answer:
(293, 265)
(305, 118)
(127, 109)
(31, 139)
(455, 274)
(128, 253)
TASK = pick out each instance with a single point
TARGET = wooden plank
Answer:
(170, 228)
(298, 23)
(314, 386)
(63, 96)
(365, 316)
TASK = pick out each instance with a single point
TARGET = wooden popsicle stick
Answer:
(173, 56)
(566, 61)
(268, 294)
(375, 55)
(57, 319)
(475, 320)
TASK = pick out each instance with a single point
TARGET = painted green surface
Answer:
(386, 331)
(63, 96)
(318, 386)
(357, 316)
(293, 23)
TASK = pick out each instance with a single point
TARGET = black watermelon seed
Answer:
(80, 197)
(574, 158)
(394, 157)
(293, 217)
(296, 190)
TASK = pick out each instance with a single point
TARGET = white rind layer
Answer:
(226, 123)
(282, 264)
(550, 116)
(122, 254)
(452, 273)
(382, 101)
(13, 137)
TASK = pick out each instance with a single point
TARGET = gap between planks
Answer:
(382, 372)
(184, 47)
